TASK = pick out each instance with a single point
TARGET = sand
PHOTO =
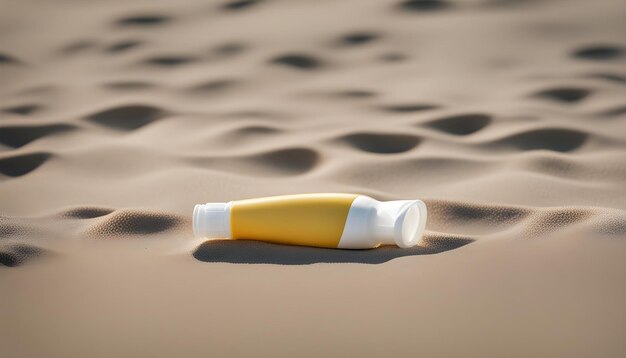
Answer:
(506, 117)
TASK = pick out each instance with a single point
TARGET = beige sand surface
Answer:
(508, 117)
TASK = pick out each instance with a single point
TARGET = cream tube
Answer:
(344, 221)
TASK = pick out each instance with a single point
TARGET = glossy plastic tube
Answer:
(345, 221)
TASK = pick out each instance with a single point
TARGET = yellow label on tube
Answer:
(306, 219)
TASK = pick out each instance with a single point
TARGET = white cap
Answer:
(212, 220)
(400, 222)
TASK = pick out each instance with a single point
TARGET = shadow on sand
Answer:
(255, 252)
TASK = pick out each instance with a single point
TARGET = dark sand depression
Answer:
(508, 118)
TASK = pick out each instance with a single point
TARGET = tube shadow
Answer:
(256, 252)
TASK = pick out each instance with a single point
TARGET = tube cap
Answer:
(408, 219)
(212, 220)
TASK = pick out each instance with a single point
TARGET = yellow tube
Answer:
(347, 221)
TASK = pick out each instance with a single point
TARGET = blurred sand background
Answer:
(507, 117)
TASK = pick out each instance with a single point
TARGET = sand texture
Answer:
(507, 117)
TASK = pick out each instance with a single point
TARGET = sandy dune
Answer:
(507, 117)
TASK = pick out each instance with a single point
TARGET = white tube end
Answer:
(410, 224)
(400, 222)
(211, 220)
